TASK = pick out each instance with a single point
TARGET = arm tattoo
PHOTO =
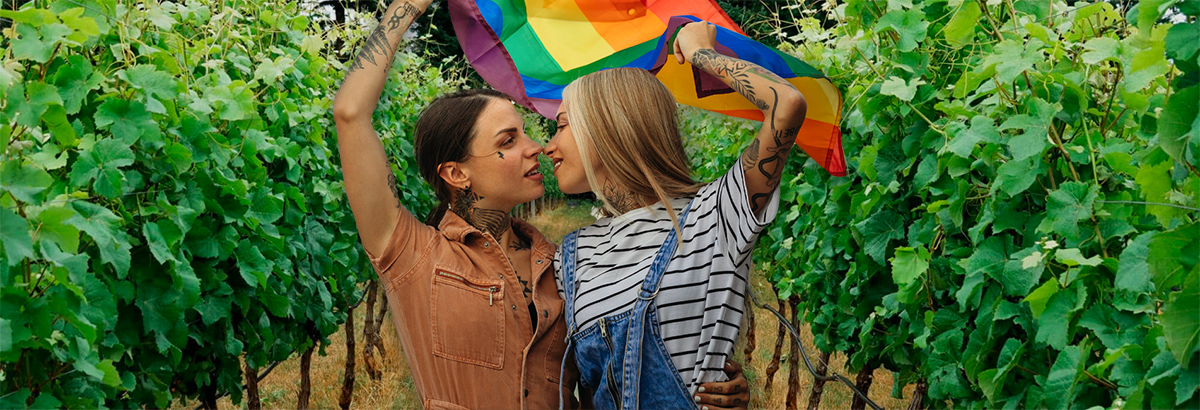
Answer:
(377, 45)
(620, 198)
(466, 206)
(784, 140)
(750, 156)
(737, 71)
(392, 185)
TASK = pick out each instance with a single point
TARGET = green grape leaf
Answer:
(878, 230)
(910, 25)
(1016, 176)
(1073, 257)
(1100, 49)
(52, 225)
(104, 228)
(897, 87)
(17, 243)
(983, 129)
(75, 80)
(126, 120)
(1062, 384)
(1019, 277)
(909, 264)
(961, 28)
(1179, 126)
(1011, 58)
(253, 267)
(1183, 41)
(1180, 326)
(1155, 182)
(23, 181)
(158, 245)
(151, 81)
(1041, 296)
(1067, 206)
(84, 28)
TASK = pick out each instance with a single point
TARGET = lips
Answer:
(533, 171)
(557, 163)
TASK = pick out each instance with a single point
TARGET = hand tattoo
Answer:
(737, 71)
(488, 220)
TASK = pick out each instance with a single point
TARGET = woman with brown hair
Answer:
(654, 293)
(471, 291)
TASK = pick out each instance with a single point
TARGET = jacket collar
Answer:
(456, 229)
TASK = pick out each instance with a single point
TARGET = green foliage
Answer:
(1020, 224)
(171, 198)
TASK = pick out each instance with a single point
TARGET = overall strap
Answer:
(567, 255)
(631, 369)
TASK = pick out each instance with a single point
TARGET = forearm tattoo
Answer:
(377, 49)
(771, 166)
(466, 206)
(736, 71)
(620, 198)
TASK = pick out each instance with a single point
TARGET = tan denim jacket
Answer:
(463, 322)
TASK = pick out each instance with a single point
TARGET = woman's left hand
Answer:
(694, 36)
(733, 394)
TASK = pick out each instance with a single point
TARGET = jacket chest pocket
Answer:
(468, 319)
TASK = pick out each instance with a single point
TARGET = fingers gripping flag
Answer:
(532, 49)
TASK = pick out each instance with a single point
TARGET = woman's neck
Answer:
(493, 221)
(622, 199)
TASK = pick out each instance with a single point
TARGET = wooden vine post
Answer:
(918, 400)
(348, 377)
(305, 377)
(368, 331)
(818, 387)
(253, 401)
(793, 358)
(377, 340)
(863, 383)
(773, 366)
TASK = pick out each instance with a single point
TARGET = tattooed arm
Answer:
(370, 184)
(783, 107)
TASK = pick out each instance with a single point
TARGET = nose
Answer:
(551, 146)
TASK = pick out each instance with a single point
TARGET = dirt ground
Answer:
(395, 390)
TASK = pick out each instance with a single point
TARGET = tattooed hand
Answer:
(694, 36)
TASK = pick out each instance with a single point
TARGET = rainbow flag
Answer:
(532, 49)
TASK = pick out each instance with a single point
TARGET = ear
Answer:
(454, 174)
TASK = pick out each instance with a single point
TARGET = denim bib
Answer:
(622, 360)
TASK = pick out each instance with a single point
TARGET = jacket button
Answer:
(485, 244)
(545, 313)
(539, 261)
(514, 307)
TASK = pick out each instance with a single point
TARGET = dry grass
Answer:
(396, 390)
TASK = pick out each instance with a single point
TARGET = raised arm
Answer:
(370, 184)
(782, 105)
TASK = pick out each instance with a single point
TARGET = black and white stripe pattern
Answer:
(700, 302)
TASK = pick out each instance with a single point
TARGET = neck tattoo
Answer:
(466, 206)
(622, 199)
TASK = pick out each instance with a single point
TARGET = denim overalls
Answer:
(610, 355)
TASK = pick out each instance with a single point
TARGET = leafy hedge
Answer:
(172, 199)
(1019, 228)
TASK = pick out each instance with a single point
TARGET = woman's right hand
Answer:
(694, 36)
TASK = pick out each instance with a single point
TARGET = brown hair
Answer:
(445, 131)
(626, 119)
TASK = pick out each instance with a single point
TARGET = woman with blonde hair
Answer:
(470, 290)
(654, 293)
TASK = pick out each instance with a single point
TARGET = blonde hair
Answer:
(627, 120)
